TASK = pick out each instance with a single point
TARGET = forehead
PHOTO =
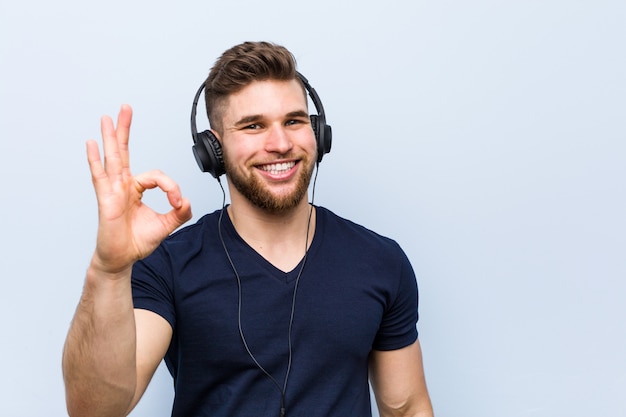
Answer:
(266, 98)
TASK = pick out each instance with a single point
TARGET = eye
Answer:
(293, 122)
(253, 126)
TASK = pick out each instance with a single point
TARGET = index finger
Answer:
(156, 178)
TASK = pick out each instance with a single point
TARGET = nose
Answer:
(278, 140)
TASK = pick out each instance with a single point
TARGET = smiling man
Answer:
(264, 120)
(269, 306)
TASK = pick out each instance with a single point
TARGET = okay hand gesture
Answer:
(128, 230)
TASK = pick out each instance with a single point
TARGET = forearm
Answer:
(398, 382)
(100, 351)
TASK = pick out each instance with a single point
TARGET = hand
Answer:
(128, 230)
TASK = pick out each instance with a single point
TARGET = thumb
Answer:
(178, 215)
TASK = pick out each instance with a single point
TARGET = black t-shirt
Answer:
(357, 292)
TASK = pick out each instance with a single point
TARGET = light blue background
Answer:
(487, 137)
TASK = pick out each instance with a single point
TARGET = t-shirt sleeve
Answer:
(398, 328)
(152, 285)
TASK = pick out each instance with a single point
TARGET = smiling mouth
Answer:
(277, 169)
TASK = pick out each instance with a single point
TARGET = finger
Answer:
(156, 178)
(177, 216)
(124, 119)
(181, 207)
(98, 175)
(93, 157)
(112, 158)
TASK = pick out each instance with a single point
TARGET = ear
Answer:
(217, 135)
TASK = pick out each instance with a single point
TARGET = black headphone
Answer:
(208, 151)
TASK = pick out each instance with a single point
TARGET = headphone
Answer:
(208, 151)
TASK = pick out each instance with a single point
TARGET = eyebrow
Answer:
(256, 117)
(298, 113)
(248, 119)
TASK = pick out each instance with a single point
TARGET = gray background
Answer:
(486, 137)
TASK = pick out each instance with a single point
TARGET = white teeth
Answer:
(278, 168)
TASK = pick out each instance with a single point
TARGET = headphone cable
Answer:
(293, 302)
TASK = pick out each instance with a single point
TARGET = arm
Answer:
(398, 382)
(111, 351)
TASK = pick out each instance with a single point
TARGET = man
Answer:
(270, 306)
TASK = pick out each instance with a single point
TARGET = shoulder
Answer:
(332, 223)
(187, 241)
(349, 236)
(205, 224)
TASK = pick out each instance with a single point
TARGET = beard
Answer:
(253, 189)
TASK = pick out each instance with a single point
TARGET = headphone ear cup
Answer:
(208, 153)
(323, 136)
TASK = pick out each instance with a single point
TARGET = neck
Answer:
(278, 237)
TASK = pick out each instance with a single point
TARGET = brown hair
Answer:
(241, 65)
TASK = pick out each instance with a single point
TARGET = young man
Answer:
(270, 306)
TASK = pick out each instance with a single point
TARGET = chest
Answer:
(329, 313)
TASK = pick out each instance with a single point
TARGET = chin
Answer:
(276, 204)
(255, 190)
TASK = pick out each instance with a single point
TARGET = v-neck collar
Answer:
(235, 243)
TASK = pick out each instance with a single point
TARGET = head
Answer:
(245, 81)
(234, 73)
(238, 67)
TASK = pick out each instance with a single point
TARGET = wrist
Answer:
(107, 294)
(102, 272)
(110, 269)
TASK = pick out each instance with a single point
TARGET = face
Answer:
(268, 144)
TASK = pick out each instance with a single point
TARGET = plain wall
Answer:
(487, 137)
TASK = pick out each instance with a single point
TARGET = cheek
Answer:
(311, 142)
(235, 154)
